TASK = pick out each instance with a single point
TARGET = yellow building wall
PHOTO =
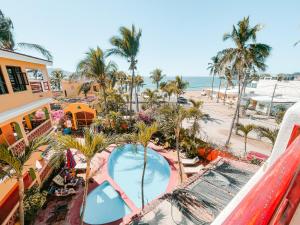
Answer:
(72, 88)
(15, 99)
(7, 135)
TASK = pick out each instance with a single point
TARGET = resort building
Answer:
(24, 115)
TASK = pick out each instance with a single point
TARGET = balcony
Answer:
(18, 147)
(42, 129)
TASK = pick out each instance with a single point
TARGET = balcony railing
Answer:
(39, 86)
(40, 130)
(18, 147)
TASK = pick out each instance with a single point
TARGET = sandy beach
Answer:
(216, 131)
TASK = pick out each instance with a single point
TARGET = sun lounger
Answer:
(190, 161)
(59, 180)
(193, 169)
(65, 192)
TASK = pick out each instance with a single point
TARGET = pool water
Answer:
(104, 205)
(125, 167)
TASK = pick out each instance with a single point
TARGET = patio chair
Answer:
(189, 162)
(193, 169)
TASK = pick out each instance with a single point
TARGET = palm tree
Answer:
(94, 66)
(246, 56)
(85, 88)
(151, 97)
(195, 113)
(214, 69)
(245, 129)
(7, 38)
(127, 46)
(143, 137)
(169, 90)
(179, 86)
(268, 133)
(16, 166)
(56, 77)
(88, 146)
(157, 77)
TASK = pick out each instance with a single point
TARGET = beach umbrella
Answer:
(71, 163)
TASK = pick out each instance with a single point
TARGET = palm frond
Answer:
(37, 48)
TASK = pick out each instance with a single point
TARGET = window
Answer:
(17, 78)
(3, 88)
(34, 74)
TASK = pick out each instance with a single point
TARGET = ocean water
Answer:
(195, 83)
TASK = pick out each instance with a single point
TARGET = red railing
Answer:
(40, 130)
(36, 86)
(266, 203)
(18, 147)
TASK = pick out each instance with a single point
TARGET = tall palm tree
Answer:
(268, 133)
(16, 166)
(56, 77)
(7, 40)
(157, 76)
(85, 88)
(88, 146)
(196, 114)
(245, 129)
(214, 69)
(179, 85)
(127, 46)
(94, 67)
(247, 55)
(143, 137)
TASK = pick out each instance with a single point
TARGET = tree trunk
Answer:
(245, 146)
(136, 99)
(104, 97)
(21, 198)
(177, 150)
(86, 188)
(157, 86)
(219, 91)
(234, 117)
(212, 87)
(143, 176)
(225, 94)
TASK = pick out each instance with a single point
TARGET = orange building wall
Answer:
(15, 99)
(8, 134)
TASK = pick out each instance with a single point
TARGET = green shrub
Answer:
(33, 201)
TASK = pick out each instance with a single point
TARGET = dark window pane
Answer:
(17, 78)
(3, 88)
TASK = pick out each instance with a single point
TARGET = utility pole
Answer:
(271, 103)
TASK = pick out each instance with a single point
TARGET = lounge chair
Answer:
(65, 192)
(188, 162)
(193, 169)
(60, 181)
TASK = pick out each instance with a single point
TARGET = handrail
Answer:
(15, 144)
(262, 201)
(35, 129)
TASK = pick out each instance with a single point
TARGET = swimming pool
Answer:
(125, 167)
(104, 205)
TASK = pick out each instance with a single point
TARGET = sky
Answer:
(178, 36)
